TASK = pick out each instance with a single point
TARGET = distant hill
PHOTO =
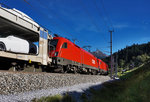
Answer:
(99, 54)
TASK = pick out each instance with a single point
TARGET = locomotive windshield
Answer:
(53, 44)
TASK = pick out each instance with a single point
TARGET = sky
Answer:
(89, 21)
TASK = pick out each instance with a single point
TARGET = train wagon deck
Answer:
(25, 28)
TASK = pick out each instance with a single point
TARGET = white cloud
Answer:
(120, 26)
(83, 27)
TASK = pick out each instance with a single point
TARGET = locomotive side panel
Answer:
(103, 66)
(70, 52)
(89, 60)
(67, 52)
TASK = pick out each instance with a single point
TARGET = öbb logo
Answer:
(93, 61)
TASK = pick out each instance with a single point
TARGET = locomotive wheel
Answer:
(94, 72)
(89, 72)
(59, 69)
(2, 47)
(75, 70)
(65, 69)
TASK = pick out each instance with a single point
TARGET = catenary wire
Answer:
(48, 17)
(106, 13)
(56, 15)
(35, 9)
(90, 17)
(101, 15)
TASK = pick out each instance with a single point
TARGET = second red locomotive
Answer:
(67, 56)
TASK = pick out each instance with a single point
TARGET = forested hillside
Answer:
(132, 56)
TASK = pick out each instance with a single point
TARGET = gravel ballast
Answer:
(26, 86)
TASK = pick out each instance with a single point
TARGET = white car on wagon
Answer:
(17, 45)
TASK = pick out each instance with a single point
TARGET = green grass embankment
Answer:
(132, 87)
(56, 98)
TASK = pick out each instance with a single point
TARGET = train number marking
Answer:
(93, 61)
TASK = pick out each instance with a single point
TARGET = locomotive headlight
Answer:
(56, 54)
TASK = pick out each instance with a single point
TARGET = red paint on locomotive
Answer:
(63, 48)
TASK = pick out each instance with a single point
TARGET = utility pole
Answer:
(111, 57)
(116, 66)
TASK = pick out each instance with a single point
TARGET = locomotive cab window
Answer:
(52, 44)
(64, 45)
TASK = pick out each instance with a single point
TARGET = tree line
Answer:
(131, 56)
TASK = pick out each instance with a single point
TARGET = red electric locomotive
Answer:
(103, 67)
(67, 56)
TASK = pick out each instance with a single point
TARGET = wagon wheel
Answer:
(2, 47)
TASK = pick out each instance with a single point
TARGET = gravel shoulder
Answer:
(24, 87)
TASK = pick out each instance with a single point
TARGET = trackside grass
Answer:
(122, 74)
(132, 87)
(56, 98)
